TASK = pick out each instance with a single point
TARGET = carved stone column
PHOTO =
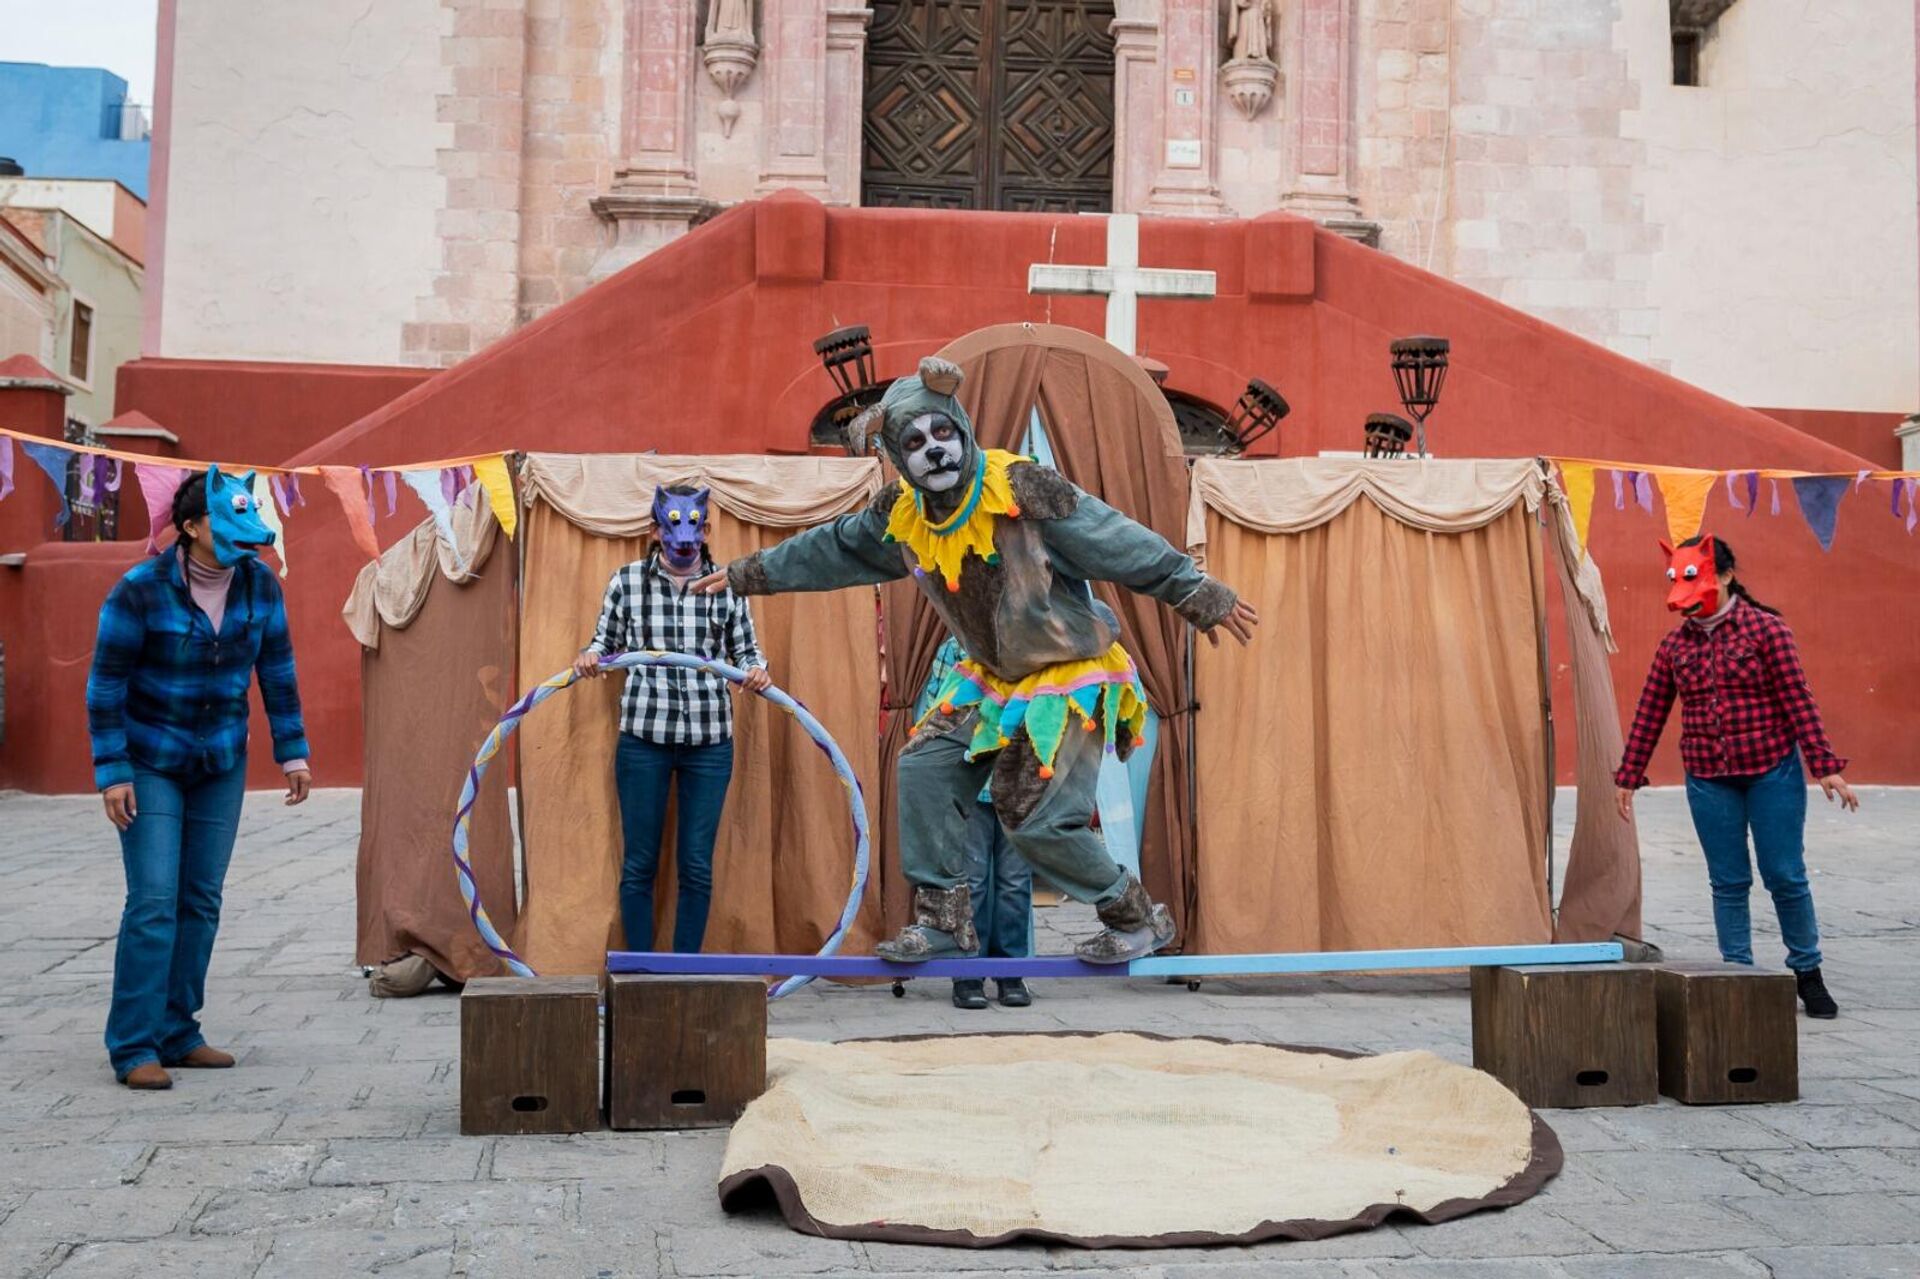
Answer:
(1136, 133)
(655, 197)
(1189, 69)
(1322, 185)
(794, 93)
(846, 98)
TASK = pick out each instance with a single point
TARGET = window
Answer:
(1203, 427)
(1686, 58)
(80, 354)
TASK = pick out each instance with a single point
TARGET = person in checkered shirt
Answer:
(676, 725)
(1747, 718)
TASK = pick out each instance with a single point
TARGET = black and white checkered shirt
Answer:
(644, 608)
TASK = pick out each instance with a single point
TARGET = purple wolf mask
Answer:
(680, 524)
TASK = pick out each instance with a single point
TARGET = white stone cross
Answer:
(1123, 280)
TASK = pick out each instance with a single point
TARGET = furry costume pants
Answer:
(1047, 820)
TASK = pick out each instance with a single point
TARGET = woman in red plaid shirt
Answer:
(1747, 716)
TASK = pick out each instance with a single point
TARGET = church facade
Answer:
(407, 182)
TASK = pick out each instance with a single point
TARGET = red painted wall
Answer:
(237, 411)
(1870, 435)
(706, 347)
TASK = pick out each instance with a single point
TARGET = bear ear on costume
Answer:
(862, 429)
(1665, 549)
(1706, 547)
(942, 377)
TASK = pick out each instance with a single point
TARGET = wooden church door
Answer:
(989, 104)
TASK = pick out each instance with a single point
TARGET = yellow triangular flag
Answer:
(492, 475)
(1576, 478)
(1685, 493)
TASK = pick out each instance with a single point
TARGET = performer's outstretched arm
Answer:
(848, 551)
(1097, 543)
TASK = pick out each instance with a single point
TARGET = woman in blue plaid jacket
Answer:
(181, 637)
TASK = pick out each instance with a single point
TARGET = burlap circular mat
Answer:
(1123, 1140)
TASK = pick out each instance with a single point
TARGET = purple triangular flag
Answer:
(366, 474)
(1619, 494)
(1733, 495)
(53, 459)
(449, 484)
(1861, 478)
(6, 466)
(1819, 497)
(1643, 491)
(393, 492)
(1775, 485)
(1753, 491)
(119, 473)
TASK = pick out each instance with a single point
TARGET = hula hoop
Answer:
(470, 890)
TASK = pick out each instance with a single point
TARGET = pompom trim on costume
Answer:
(942, 548)
(1102, 692)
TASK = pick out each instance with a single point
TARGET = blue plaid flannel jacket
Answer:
(169, 694)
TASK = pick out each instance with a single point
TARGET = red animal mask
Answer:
(1696, 584)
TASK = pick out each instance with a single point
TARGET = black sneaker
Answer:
(1013, 992)
(1813, 993)
(969, 994)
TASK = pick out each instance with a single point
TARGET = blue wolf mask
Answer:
(233, 525)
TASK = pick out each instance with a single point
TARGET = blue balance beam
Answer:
(1182, 966)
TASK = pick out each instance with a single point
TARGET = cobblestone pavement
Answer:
(334, 1150)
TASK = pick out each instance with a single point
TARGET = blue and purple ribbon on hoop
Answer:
(842, 769)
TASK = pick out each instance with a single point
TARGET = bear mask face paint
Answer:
(680, 525)
(1695, 582)
(932, 449)
(233, 526)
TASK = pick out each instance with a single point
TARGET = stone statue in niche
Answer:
(1250, 74)
(730, 53)
(1250, 30)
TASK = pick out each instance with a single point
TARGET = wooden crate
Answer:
(1728, 1033)
(1568, 1034)
(684, 1052)
(529, 1055)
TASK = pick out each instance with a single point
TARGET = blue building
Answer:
(72, 122)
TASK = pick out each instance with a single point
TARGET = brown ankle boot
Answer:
(205, 1057)
(148, 1077)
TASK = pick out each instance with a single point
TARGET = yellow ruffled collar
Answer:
(942, 548)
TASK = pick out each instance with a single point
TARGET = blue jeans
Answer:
(175, 854)
(1773, 805)
(1002, 886)
(642, 771)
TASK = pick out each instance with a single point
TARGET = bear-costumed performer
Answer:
(1004, 549)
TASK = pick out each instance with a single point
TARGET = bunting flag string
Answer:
(276, 489)
(1685, 492)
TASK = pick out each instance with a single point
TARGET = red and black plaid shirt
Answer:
(1744, 701)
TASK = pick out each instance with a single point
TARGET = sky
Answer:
(115, 34)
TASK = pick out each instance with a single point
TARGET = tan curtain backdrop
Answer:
(784, 858)
(1600, 896)
(1397, 791)
(439, 651)
(1113, 433)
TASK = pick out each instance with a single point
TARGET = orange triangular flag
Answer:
(351, 488)
(1576, 479)
(491, 473)
(1685, 493)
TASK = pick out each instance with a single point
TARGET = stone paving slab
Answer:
(334, 1148)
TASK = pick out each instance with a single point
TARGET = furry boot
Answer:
(1135, 928)
(942, 928)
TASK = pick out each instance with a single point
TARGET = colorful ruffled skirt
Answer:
(1100, 693)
